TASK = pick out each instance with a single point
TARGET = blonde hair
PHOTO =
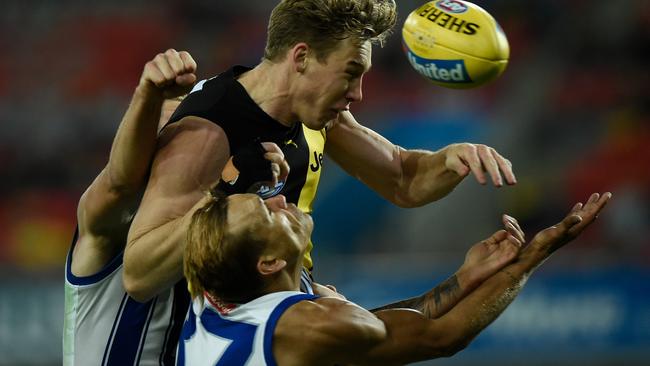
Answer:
(322, 24)
(216, 262)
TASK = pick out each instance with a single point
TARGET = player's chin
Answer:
(327, 117)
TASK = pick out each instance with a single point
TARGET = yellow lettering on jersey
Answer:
(316, 143)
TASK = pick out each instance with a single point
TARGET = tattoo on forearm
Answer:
(412, 303)
(445, 296)
(434, 303)
(448, 288)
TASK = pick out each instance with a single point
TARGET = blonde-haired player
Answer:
(243, 261)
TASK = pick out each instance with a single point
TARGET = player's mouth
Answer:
(338, 110)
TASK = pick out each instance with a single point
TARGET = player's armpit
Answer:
(189, 160)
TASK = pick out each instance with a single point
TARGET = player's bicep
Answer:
(365, 154)
(331, 329)
(189, 159)
(102, 207)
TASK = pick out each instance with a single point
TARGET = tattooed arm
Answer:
(434, 303)
(482, 261)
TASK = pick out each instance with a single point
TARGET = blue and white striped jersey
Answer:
(234, 335)
(103, 326)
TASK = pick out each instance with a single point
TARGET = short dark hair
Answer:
(223, 265)
(323, 23)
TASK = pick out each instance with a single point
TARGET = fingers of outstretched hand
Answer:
(510, 247)
(568, 222)
(505, 167)
(469, 154)
(576, 208)
(497, 237)
(479, 159)
(489, 162)
(589, 212)
(512, 226)
(596, 203)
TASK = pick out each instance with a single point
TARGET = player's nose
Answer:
(276, 203)
(354, 93)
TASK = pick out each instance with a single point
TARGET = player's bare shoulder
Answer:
(193, 145)
(328, 329)
(191, 129)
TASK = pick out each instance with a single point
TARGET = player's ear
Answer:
(299, 56)
(270, 265)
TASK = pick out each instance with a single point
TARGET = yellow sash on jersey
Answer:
(316, 142)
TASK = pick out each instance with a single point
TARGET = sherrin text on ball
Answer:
(455, 44)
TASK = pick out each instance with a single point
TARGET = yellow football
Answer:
(455, 44)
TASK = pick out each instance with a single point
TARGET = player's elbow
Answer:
(136, 287)
(405, 201)
(446, 345)
(121, 184)
(125, 189)
(452, 347)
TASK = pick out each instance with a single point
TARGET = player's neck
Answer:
(269, 86)
(287, 280)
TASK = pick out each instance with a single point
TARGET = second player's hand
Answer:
(279, 165)
(485, 258)
(478, 159)
(256, 163)
(172, 74)
(549, 240)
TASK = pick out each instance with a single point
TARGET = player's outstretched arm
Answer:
(482, 260)
(103, 211)
(342, 333)
(411, 178)
(412, 337)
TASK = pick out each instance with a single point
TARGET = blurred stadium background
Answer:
(571, 112)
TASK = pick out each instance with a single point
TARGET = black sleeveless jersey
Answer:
(225, 102)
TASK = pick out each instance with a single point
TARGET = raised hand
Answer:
(478, 159)
(485, 258)
(170, 73)
(551, 239)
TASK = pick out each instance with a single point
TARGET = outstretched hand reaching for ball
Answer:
(551, 239)
(479, 159)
